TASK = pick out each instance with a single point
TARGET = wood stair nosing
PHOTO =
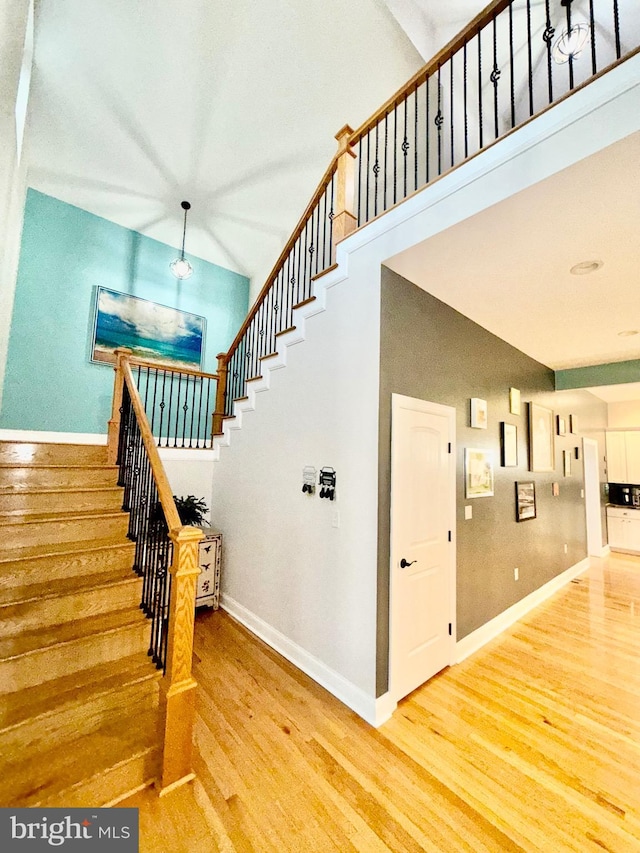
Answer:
(48, 776)
(76, 705)
(63, 607)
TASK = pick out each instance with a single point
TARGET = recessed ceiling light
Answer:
(627, 333)
(585, 267)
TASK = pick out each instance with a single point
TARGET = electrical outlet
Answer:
(581, 493)
(516, 574)
(468, 512)
(566, 547)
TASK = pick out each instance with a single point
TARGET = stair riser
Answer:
(44, 664)
(109, 787)
(56, 611)
(73, 501)
(58, 566)
(23, 453)
(81, 719)
(25, 534)
(24, 477)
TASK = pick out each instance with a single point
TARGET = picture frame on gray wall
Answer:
(508, 445)
(525, 500)
(541, 439)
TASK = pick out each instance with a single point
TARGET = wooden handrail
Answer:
(145, 362)
(322, 186)
(472, 29)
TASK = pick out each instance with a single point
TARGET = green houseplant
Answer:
(191, 509)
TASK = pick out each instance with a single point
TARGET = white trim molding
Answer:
(490, 630)
(53, 437)
(373, 711)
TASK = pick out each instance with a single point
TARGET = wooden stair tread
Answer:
(40, 517)
(56, 635)
(77, 688)
(54, 549)
(12, 597)
(46, 774)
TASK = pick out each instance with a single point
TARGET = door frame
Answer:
(399, 401)
(592, 500)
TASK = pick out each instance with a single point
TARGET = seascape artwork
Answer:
(152, 331)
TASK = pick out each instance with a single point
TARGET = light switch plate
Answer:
(468, 512)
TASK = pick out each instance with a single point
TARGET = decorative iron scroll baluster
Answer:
(405, 150)
(547, 36)
(438, 123)
(495, 77)
(570, 63)
(376, 172)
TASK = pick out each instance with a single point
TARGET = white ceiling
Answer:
(513, 276)
(139, 104)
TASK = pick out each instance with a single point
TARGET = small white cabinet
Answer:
(210, 557)
(623, 525)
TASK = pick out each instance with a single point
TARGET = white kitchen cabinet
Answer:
(210, 557)
(616, 457)
(623, 526)
(632, 446)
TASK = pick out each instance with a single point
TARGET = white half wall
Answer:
(305, 566)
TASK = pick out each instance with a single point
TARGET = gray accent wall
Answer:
(431, 352)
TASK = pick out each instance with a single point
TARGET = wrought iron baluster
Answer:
(570, 63)
(512, 84)
(616, 26)
(415, 137)
(405, 151)
(366, 201)
(438, 122)
(464, 100)
(451, 111)
(547, 37)
(331, 215)
(359, 181)
(385, 172)
(395, 152)
(376, 170)
(480, 117)
(427, 127)
(592, 33)
(495, 77)
(529, 57)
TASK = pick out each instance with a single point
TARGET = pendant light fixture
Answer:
(181, 267)
(573, 40)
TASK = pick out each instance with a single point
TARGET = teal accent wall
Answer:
(50, 382)
(614, 373)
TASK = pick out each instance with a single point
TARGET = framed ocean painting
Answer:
(152, 331)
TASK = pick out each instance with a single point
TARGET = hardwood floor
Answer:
(532, 744)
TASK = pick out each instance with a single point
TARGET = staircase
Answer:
(78, 694)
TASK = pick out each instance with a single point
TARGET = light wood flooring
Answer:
(532, 744)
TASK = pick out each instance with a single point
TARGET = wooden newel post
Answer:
(344, 219)
(177, 689)
(216, 426)
(113, 432)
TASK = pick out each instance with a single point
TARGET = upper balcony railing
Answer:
(513, 61)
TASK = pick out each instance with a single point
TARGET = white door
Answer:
(592, 496)
(422, 594)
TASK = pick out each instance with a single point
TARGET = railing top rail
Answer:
(165, 493)
(472, 29)
(144, 362)
(297, 231)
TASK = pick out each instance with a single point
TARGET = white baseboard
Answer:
(490, 630)
(606, 550)
(373, 711)
(53, 437)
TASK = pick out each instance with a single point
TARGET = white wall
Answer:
(13, 28)
(189, 471)
(285, 565)
(624, 415)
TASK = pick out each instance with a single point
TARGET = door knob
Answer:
(404, 563)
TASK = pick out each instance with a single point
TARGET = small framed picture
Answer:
(561, 425)
(541, 434)
(573, 425)
(478, 413)
(478, 466)
(514, 401)
(576, 452)
(566, 460)
(525, 500)
(509, 440)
